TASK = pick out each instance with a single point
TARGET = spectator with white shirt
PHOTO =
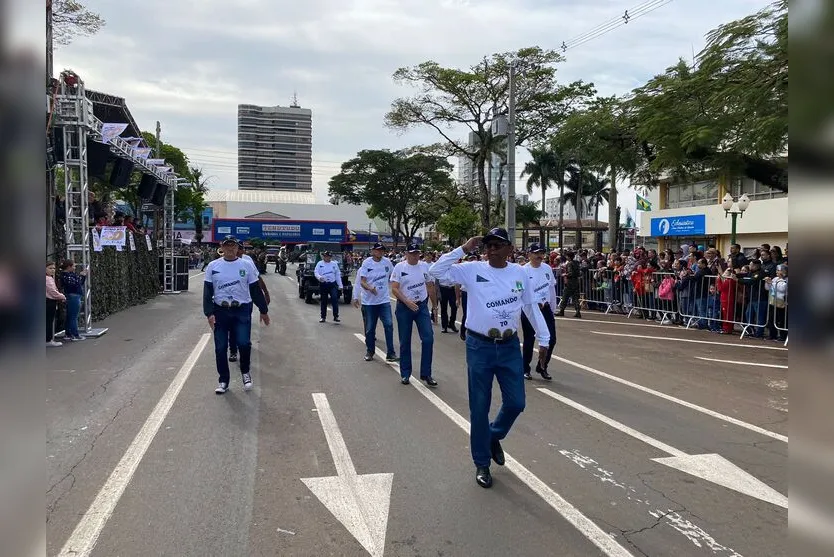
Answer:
(413, 287)
(329, 275)
(373, 277)
(497, 293)
(543, 284)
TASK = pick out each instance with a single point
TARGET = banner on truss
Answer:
(110, 131)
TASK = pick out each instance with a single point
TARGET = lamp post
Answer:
(741, 204)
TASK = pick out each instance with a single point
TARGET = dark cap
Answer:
(378, 246)
(497, 234)
(413, 248)
(536, 248)
(229, 240)
(325, 253)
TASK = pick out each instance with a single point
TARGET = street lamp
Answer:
(741, 204)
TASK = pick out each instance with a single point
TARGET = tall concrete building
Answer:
(274, 148)
(468, 174)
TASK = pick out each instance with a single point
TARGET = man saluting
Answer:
(497, 293)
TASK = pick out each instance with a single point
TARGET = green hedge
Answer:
(122, 279)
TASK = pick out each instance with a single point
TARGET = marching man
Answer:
(497, 294)
(412, 285)
(330, 284)
(373, 276)
(544, 290)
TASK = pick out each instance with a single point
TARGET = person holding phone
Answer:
(497, 294)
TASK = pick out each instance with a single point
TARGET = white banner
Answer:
(142, 152)
(148, 241)
(132, 242)
(109, 131)
(133, 141)
(96, 240)
(156, 162)
(113, 236)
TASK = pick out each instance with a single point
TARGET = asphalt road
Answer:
(144, 459)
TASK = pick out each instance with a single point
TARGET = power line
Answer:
(605, 28)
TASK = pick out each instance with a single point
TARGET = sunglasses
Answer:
(495, 245)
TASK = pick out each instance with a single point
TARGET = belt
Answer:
(496, 340)
(233, 304)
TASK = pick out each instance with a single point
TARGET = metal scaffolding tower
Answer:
(74, 115)
(168, 266)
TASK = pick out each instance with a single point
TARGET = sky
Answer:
(189, 63)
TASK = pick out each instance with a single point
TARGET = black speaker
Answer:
(55, 151)
(120, 175)
(159, 194)
(146, 186)
(97, 155)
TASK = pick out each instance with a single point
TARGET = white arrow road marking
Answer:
(84, 537)
(359, 502)
(711, 467)
(607, 543)
(741, 363)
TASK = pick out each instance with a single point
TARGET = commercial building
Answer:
(275, 148)
(691, 213)
(468, 172)
(551, 207)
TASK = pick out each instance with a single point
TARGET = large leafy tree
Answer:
(71, 19)
(527, 215)
(546, 168)
(459, 223)
(405, 191)
(451, 100)
(729, 112)
(598, 190)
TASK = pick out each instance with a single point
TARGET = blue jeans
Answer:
(701, 312)
(73, 310)
(757, 315)
(238, 322)
(405, 320)
(372, 314)
(329, 290)
(714, 313)
(486, 360)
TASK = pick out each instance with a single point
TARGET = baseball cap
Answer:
(229, 240)
(497, 234)
(378, 246)
(536, 248)
(326, 252)
(413, 248)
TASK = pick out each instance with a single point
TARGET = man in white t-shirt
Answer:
(413, 287)
(497, 293)
(373, 276)
(229, 290)
(241, 248)
(329, 275)
(544, 290)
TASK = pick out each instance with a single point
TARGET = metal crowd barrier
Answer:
(778, 307)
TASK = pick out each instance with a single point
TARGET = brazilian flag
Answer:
(643, 204)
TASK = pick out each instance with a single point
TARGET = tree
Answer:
(729, 113)
(528, 214)
(459, 223)
(545, 168)
(597, 191)
(70, 19)
(405, 191)
(451, 99)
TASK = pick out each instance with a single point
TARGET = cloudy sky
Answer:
(189, 63)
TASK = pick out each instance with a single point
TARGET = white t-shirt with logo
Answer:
(231, 280)
(412, 280)
(376, 274)
(543, 283)
(328, 272)
(495, 297)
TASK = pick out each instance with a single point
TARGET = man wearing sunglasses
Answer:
(497, 294)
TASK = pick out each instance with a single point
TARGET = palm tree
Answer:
(546, 168)
(527, 214)
(598, 191)
(575, 197)
(199, 185)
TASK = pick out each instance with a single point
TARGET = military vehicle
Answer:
(308, 285)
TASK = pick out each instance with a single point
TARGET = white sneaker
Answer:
(54, 343)
(221, 388)
(247, 382)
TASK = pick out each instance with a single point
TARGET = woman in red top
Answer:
(727, 288)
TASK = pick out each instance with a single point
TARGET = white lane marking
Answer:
(83, 539)
(737, 362)
(670, 398)
(197, 275)
(612, 322)
(585, 525)
(692, 532)
(710, 467)
(756, 346)
(360, 503)
(289, 277)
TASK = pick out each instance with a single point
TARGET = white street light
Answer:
(727, 202)
(741, 204)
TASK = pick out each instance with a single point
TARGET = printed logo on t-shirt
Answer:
(519, 286)
(243, 272)
(479, 278)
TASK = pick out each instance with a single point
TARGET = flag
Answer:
(629, 222)
(643, 204)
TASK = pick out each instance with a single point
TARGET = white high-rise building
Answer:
(552, 209)
(468, 173)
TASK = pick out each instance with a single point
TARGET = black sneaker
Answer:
(247, 382)
(405, 381)
(221, 388)
(546, 376)
(321, 320)
(337, 320)
(429, 381)
(369, 356)
(453, 329)
(233, 357)
(497, 452)
(528, 376)
(392, 358)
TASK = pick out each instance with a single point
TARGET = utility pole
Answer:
(510, 208)
(158, 149)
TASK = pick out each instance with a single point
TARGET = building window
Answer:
(755, 190)
(692, 195)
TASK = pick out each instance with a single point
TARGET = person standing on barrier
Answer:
(329, 275)
(571, 281)
(498, 292)
(373, 277)
(544, 291)
(413, 287)
(229, 290)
